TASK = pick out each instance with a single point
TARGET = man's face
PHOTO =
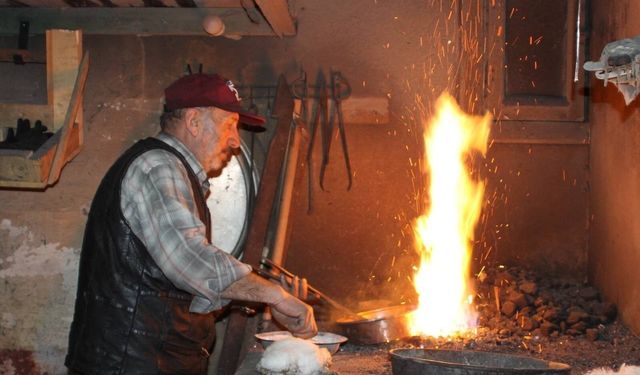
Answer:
(218, 138)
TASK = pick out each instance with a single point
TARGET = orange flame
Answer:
(445, 233)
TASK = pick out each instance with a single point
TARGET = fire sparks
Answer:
(444, 234)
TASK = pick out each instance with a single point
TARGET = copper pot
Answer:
(377, 326)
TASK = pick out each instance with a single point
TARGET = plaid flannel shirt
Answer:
(157, 201)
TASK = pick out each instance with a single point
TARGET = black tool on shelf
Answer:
(25, 137)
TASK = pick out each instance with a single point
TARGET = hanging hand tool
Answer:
(300, 91)
(319, 120)
(340, 90)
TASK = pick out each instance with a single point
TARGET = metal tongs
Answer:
(340, 90)
(319, 295)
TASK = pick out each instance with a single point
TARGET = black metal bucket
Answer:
(468, 362)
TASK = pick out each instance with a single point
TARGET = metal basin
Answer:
(377, 326)
(468, 362)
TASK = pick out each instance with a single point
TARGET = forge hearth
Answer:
(523, 314)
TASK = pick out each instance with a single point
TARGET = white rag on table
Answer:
(294, 356)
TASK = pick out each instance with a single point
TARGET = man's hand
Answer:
(295, 315)
(298, 287)
(289, 311)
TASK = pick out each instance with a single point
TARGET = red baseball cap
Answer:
(208, 90)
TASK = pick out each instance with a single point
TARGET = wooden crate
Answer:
(67, 71)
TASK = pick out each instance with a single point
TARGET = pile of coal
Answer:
(512, 301)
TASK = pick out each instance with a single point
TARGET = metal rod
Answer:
(576, 69)
(287, 194)
(313, 290)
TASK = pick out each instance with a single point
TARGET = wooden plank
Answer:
(125, 21)
(7, 54)
(12, 112)
(22, 184)
(64, 51)
(551, 133)
(45, 3)
(62, 153)
(277, 14)
(15, 165)
(128, 3)
(170, 3)
(218, 3)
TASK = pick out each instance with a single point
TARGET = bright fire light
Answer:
(444, 234)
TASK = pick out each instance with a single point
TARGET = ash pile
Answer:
(516, 302)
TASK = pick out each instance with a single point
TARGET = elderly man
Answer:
(151, 283)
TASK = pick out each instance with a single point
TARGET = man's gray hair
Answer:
(169, 119)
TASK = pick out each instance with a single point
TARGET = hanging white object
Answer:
(213, 25)
(619, 64)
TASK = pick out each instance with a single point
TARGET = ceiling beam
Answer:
(218, 3)
(277, 14)
(119, 3)
(137, 21)
(36, 3)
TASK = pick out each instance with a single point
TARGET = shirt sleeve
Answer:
(175, 237)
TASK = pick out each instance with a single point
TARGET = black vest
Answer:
(129, 318)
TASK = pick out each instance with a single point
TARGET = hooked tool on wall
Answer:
(320, 120)
(340, 90)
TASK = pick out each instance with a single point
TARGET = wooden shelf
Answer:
(67, 71)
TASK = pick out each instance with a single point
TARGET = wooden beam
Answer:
(541, 133)
(31, 111)
(45, 3)
(277, 14)
(218, 3)
(125, 21)
(128, 3)
(62, 155)
(8, 54)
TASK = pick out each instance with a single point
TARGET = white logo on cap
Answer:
(234, 90)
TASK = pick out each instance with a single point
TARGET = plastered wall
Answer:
(357, 245)
(614, 248)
